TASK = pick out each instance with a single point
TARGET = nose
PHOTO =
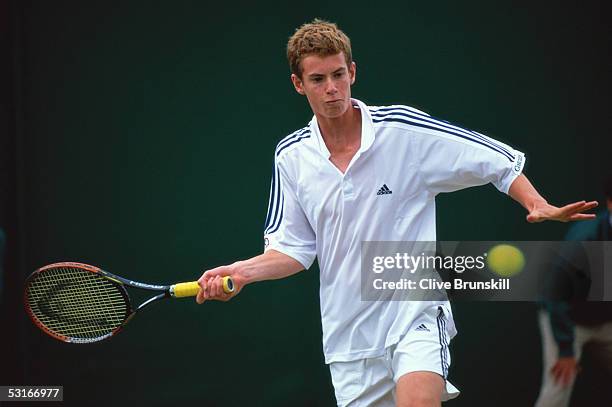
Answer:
(330, 87)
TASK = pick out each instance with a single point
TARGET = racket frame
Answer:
(120, 282)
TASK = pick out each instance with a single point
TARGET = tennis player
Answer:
(360, 173)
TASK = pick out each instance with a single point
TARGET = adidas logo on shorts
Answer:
(422, 327)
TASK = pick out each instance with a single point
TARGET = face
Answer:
(326, 82)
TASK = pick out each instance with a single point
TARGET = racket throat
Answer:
(161, 296)
(129, 318)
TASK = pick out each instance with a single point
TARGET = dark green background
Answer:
(140, 139)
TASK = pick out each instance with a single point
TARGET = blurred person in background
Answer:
(567, 321)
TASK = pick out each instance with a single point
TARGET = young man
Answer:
(357, 173)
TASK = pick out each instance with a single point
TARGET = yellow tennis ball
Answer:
(505, 260)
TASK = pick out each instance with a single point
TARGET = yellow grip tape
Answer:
(228, 285)
(185, 289)
(191, 288)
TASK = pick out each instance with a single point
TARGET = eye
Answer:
(338, 74)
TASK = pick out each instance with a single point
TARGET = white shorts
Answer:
(371, 381)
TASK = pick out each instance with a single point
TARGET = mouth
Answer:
(331, 102)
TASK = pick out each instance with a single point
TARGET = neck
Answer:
(341, 132)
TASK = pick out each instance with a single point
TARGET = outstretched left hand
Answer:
(542, 211)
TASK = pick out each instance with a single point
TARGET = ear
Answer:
(353, 72)
(297, 84)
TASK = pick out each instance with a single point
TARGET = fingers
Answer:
(531, 218)
(577, 207)
(221, 270)
(211, 285)
(214, 287)
(582, 216)
(556, 373)
(200, 296)
(573, 206)
(207, 288)
(202, 282)
(564, 371)
(566, 377)
(573, 212)
(560, 375)
(567, 213)
(537, 216)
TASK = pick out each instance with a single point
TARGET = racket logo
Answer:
(53, 307)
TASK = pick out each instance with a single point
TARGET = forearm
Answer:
(271, 265)
(524, 193)
(562, 327)
(540, 210)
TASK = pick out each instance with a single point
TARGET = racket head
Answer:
(76, 303)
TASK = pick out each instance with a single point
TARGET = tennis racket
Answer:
(79, 303)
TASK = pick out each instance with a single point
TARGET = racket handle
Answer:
(191, 288)
(228, 285)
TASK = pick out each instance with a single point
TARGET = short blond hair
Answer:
(319, 37)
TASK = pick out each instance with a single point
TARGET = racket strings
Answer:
(76, 303)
